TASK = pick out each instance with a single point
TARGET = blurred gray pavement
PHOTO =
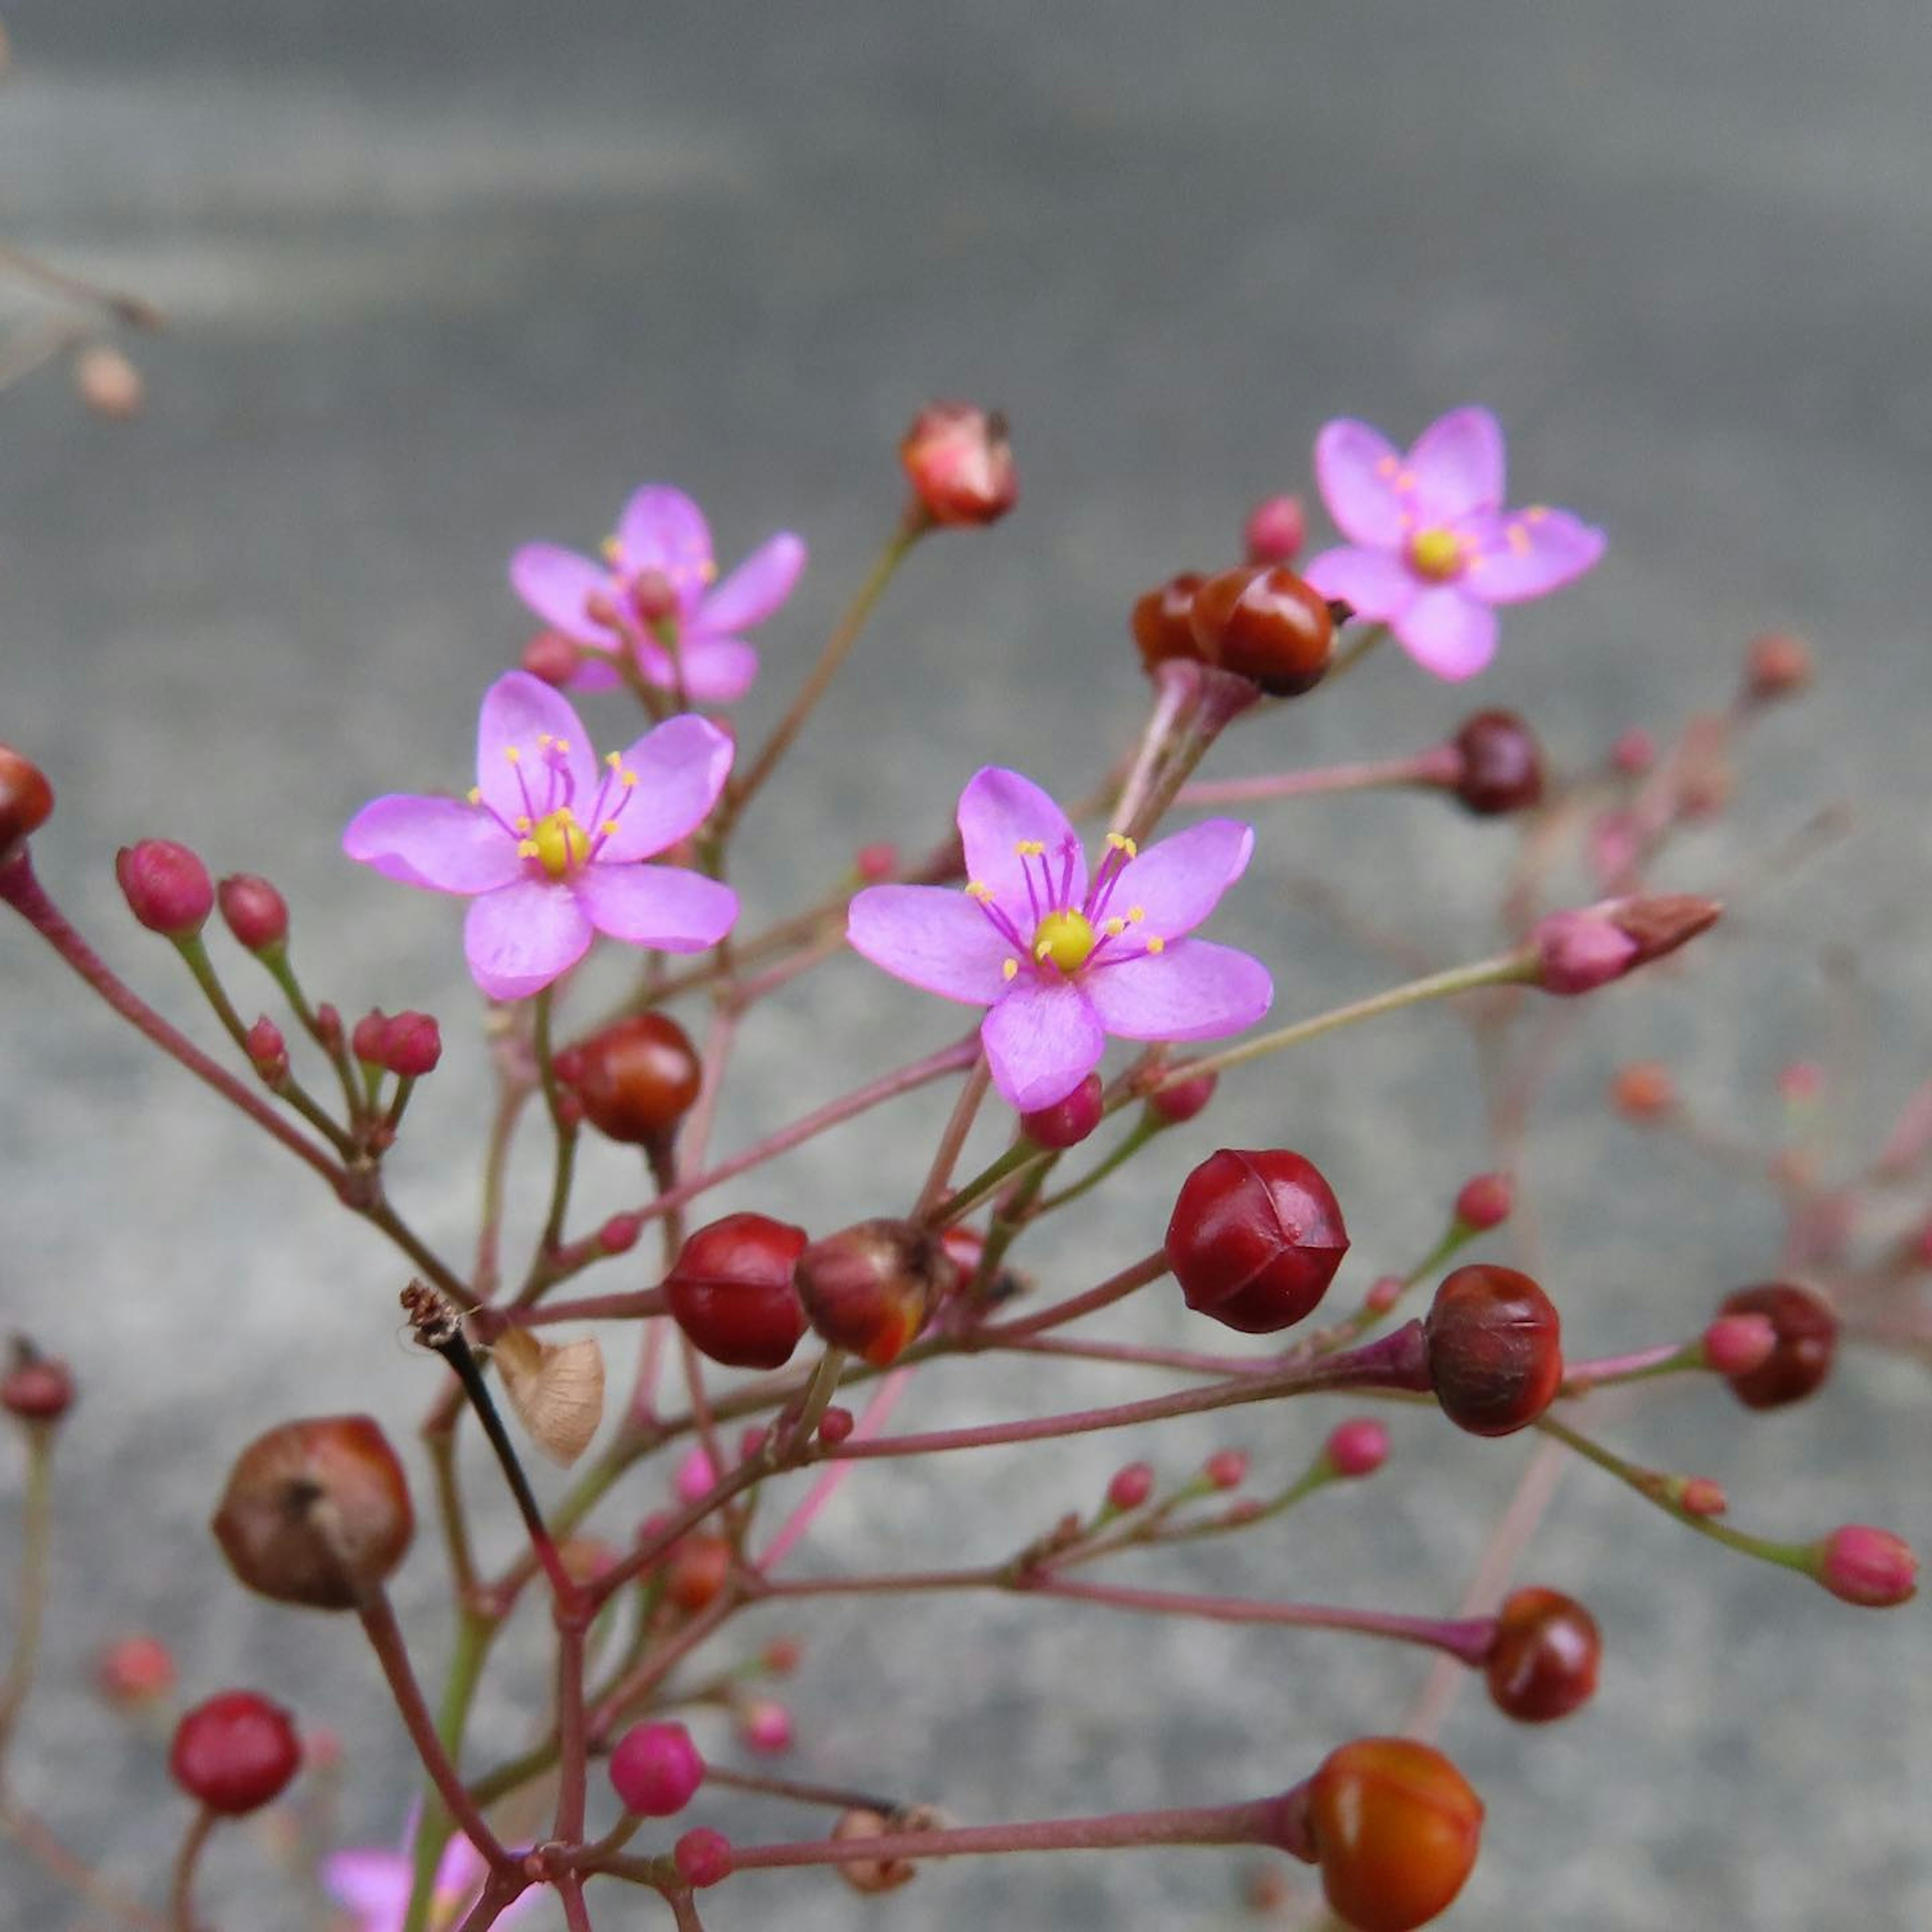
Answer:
(447, 277)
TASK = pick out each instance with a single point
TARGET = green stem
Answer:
(473, 1637)
(36, 1529)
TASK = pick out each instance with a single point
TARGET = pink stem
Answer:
(1440, 765)
(1116, 1288)
(1665, 1355)
(874, 1418)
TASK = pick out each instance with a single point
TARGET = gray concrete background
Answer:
(446, 277)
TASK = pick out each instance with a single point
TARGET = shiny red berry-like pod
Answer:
(638, 1077)
(1255, 1238)
(235, 1752)
(868, 1289)
(1495, 1349)
(1502, 765)
(26, 798)
(1543, 1663)
(1267, 624)
(730, 1290)
(1162, 618)
(1800, 1357)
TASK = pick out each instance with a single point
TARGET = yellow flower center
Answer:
(1437, 554)
(1064, 937)
(560, 842)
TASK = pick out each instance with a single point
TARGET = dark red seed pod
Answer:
(1800, 1357)
(1495, 1349)
(1161, 620)
(868, 1289)
(1184, 1099)
(638, 1078)
(235, 1752)
(26, 798)
(1256, 1239)
(1267, 625)
(1543, 1664)
(1068, 1122)
(730, 1291)
(1502, 766)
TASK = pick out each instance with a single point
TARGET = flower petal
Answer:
(661, 529)
(756, 588)
(440, 843)
(1041, 1040)
(1456, 465)
(663, 907)
(931, 937)
(718, 670)
(999, 811)
(1356, 467)
(595, 671)
(680, 766)
(1525, 553)
(520, 939)
(1194, 991)
(1448, 632)
(1179, 882)
(459, 1872)
(528, 737)
(373, 1884)
(1377, 582)
(557, 583)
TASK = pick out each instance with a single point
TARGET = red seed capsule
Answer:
(26, 798)
(1267, 625)
(1496, 1352)
(1800, 1357)
(868, 1289)
(235, 1752)
(731, 1291)
(1161, 620)
(1502, 767)
(1255, 1238)
(638, 1077)
(1543, 1663)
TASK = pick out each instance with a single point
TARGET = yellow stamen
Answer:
(1155, 944)
(544, 739)
(1436, 554)
(609, 828)
(983, 893)
(1064, 937)
(1009, 969)
(526, 848)
(511, 755)
(610, 550)
(627, 780)
(475, 794)
(1536, 512)
(1114, 928)
(614, 759)
(1029, 848)
(1121, 842)
(1135, 914)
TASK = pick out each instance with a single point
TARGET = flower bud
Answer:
(135, 1670)
(960, 464)
(654, 596)
(235, 1752)
(877, 863)
(1776, 665)
(1485, 1201)
(108, 383)
(411, 1045)
(1735, 1344)
(1255, 1238)
(1634, 752)
(836, 1426)
(703, 1858)
(167, 886)
(26, 798)
(619, 1235)
(1266, 625)
(317, 1512)
(1226, 1468)
(655, 1770)
(868, 1289)
(34, 1387)
(1870, 1567)
(268, 1051)
(553, 657)
(638, 1077)
(1068, 1122)
(730, 1291)
(1587, 946)
(1495, 1355)
(1131, 1486)
(1183, 1100)
(1275, 530)
(1502, 767)
(1702, 1496)
(328, 1028)
(1161, 622)
(765, 1725)
(1542, 1663)
(366, 1036)
(696, 1570)
(1644, 1091)
(1806, 1339)
(254, 912)
(1357, 1447)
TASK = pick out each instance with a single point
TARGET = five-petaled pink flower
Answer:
(1431, 550)
(551, 847)
(375, 1886)
(659, 581)
(1060, 960)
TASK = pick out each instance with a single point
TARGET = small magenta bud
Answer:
(1357, 1447)
(411, 1045)
(366, 1036)
(1776, 665)
(1226, 1468)
(1383, 1293)
(1131, 1486)
(329, 1027)
(730, 1290)
(868, 1289)
(1542, 1663)
(1485, 1201)
(1495, 1353)
(638, 1078)
(254, 912)
(1501, 768)
(1255, 1238)
(35, 1388)
(235, 1752)
(695, 1476)
(1068, 1122)
(1702, 1495)
(960, 464)
(656, 1769)
(108, 383)
(871, 1875)
(836, 1426)
(696, 1571)
(1806, 1339)
(876, 862)
(317, 1512)
(1634, 753)
(268, 1051)
(1184, 1099)
(765, 1725)
(1161, 622)
(654, 596)
(1870, 1567)
(553, 657)
(703, 1858)
(135, 1670)
(1266, 625)
(1275, 531)
(619, 1235)
(1735, 1344)
(167, 886)
(26, 798)
(1644, 1091)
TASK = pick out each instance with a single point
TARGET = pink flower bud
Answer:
(411, 1045)
(836, 1426)
(1776, 665)
(268, 1052)
(695, 1476)
(553, 657)
(135, 1670)
(1735, 1344)
(654, 596)
(1485, 1201)
(619, 1235)
(765, 1725)
(1068, 1122)
(365, 1040)
(1226, 1468)
(1702, 1495)
(1130, 1487)
(35, 1388)
(1580, 950)
(328, 1028)
(656, 1769)
(167, 886)
(703, 1858)
(1870, 1568)
(960, 464)
(1634, 752)
(257, 914)
(1358, 1447)
(877, 863)
(1275, 530)
(1384, 1294)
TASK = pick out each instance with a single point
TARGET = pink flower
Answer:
(1431, 549)
(659, 582)
(375, 1884)
(550, 847)
(1060, 962)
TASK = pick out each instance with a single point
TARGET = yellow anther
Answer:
(1436, 554)
(1029, 848)
(1536, 512)
(520, 824)
(475, 794)
(1155, 944)
(544, 739)
(1519, 539)
(627, 780)
(609, 828)
(976, 890)
(1064, 937)
(526, 848)
(1009, 969)
(511, 755)
(1135, 914)
(1114, 928)
(1121, 842)
(614, 759)
(610, 550)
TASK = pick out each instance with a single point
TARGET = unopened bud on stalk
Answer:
(1182, 1101)
(656, 1769)
(108, 383)
(167, 886)
(254, 911)
(703, 1858)
(960, 464)
(1068, 1122)
(730, 1291)
(268, 1052)
(1777, 664)
(1130, 1486)
(1736, 1345)
(26, 798)
(553, 657)
(1275, 531)
(868, 1289)
(1870, 1567)
(765, 1725)
(135, 1670)
(1357, 1447)
(1265, 625)
(1485, 1201)
(34, 1387)
(411, 1045)
(1226, 1468)
(1589, 946)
